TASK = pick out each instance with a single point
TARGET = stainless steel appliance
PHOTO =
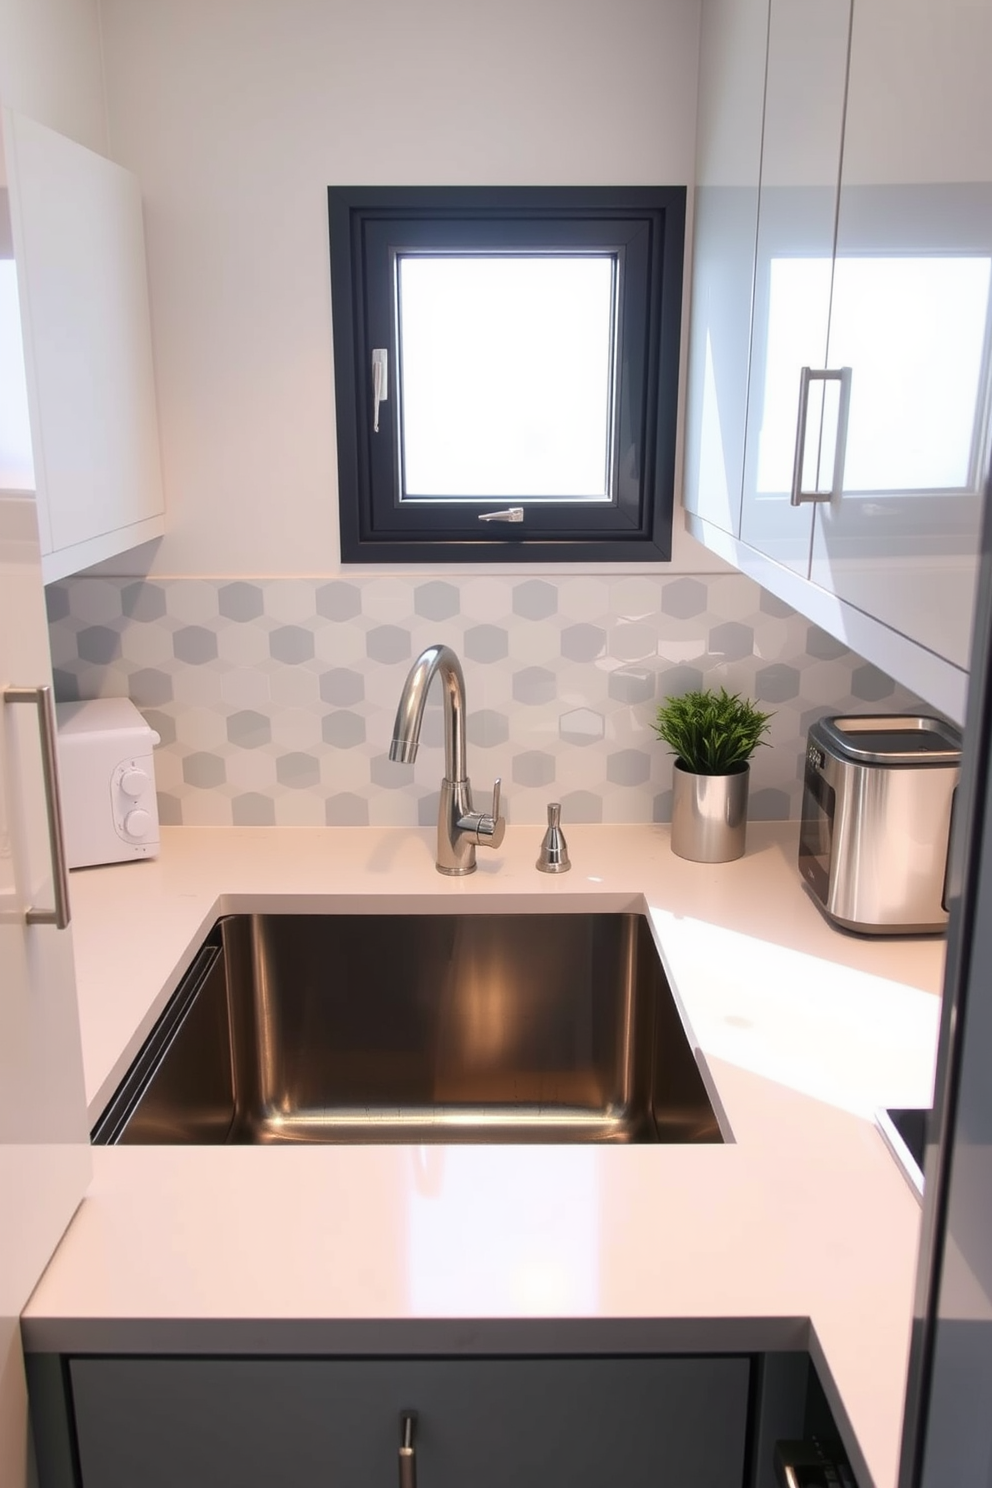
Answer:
(876, 820)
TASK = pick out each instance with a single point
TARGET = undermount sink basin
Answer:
(418, 1028)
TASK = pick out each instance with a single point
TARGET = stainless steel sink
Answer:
(418, 1028)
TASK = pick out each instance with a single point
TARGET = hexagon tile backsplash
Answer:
(275, 698)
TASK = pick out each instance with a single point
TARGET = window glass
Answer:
(506, 376)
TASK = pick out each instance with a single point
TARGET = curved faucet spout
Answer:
(460, 828)
(410, 713)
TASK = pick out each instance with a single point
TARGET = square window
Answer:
(506, 371)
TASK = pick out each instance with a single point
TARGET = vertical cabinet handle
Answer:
(41, 698)
(408, 1452)
(809, 375)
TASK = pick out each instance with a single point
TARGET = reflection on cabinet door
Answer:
(911, 315)
(800, 167)
(488, 1423)
(733, 45)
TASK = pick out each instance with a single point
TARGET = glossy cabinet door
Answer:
(481, 1423)
(733, 46)
(44, 1148)
(78, 241)
(800, 169)
(911, 317)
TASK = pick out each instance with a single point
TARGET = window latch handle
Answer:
(380, 382)
(511, 514)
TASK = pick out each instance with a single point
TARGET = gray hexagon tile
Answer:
(99, 644)
(661, 807)
(388, 643)
(822, 646)
(346, 810)
(149, 687)
(343, 730)
(869, 685)
(628, 767)
(57, 603)
(632, 685)
(204, 771)
(581, 806)
(583, 642)
(581, 726)
(436, 601)
(535, 600)
(390, 774)
(170, 809)
(253, 810)
(534, 685)
(297, 770)
(535, 767)
(342, 686)
(194, 644)
(142, 601)
(678, 680)
(486, 643)
(96, 602)
(731, 641)
(684, 598)
(240, 601)
(777, 683)
(275, 697)
(338, 601)
(291, 644)
(632, 640)
(487, 728)
(248, 729)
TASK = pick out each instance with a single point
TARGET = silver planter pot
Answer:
(709, 815)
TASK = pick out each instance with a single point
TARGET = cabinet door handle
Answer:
(806, 376)
(408, 1452)
(41, 697)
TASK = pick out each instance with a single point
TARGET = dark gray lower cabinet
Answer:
(481, 1423)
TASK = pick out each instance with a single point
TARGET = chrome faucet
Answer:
(460, 829)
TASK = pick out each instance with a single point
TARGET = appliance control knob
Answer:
(133, 782)
(136, 823)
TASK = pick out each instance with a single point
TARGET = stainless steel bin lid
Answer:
(891, 738)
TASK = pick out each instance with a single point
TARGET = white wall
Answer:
(51, 66)
(237, 114)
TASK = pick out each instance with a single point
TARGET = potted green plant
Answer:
(713, 736)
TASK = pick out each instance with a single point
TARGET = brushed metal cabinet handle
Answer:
(41, 698)
(808, 375)
(408, 1452)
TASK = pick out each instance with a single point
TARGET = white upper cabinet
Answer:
(78, 249)
(866, 420)
(797, 205)
(910, 317)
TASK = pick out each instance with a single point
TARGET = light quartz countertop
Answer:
(798, 1233)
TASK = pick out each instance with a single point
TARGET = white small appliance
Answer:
(107, 778)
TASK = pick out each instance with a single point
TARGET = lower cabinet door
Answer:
(480, 1423)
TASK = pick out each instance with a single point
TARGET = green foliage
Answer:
(711, 733)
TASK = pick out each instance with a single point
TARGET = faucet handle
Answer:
(491, 828)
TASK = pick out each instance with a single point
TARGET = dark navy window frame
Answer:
(645, 228)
